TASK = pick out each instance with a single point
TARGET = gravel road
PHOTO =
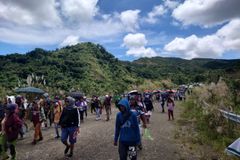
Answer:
(95, 141)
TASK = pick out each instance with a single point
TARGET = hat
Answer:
(11, 107)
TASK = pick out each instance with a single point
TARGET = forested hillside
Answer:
(90, 68)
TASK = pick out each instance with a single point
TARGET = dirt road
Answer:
(95, 141)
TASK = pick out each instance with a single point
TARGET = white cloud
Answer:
(211, 46)
(70, 40)
(136, 45)
(42, 23)
(25, 12)
(206, 12)
(135, 40)
(142, 52)
(156, 12)
(130, 19)
(231, 34)
(26, 36)
(79, 10)
(171, 4)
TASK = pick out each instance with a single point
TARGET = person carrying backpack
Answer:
(12, 126)
(70, 124)
(127, 133)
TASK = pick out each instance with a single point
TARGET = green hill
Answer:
(90, 68)
(185, 71)
(87, 67)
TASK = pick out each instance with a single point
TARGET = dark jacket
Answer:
(12, 127)
(70, 116)
(148, 104)
(96, 103)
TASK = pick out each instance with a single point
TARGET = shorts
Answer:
(69, 132)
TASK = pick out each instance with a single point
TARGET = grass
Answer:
(204, 132)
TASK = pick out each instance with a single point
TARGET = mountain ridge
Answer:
(91, 68)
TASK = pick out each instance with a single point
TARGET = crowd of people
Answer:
(66, 114)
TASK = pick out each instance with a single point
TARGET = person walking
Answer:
(93, 110)
(12, 126)
(97, 105)
(70, 124)
(148, 103)
(21, 113)
(107, 106)
(170, 106)
(80, 104)
(38, 117)
(85, 106)
(127, 133)
(139, 111)
(57, 114)
(163, 98)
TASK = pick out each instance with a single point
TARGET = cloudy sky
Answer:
(129, 29)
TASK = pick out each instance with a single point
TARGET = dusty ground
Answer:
(95, 141)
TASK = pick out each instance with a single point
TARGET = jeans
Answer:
(56, 126)
(69, 133)
(98, 114)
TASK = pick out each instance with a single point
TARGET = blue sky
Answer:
(129, 29)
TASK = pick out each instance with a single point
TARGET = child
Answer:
(170, 105)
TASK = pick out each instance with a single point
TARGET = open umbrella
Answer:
(76, 94)
(30, 90)
(133, 92)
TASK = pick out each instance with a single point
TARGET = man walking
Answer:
(70, 123)
(107, 105)
(126, 131)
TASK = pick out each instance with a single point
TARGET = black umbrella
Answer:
(76, 95)
(30, 90)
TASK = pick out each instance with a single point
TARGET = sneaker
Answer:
(57, 137)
